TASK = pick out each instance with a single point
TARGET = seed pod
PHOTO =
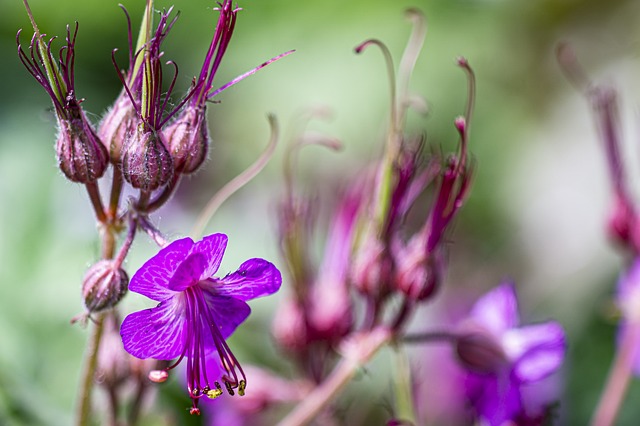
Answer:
(104, 286)
(80, 154)
(116, 124)
(188, 139)
(146, 162)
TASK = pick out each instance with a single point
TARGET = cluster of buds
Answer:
(148, 144)
(370, 251)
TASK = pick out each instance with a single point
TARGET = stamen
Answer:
(241, 387)
(229, 388)
(215, 393)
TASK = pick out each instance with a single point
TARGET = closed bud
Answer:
(289, 327)
(146, 162)
(188, 139)
(104, 286)
(372, 268)
(116, 124)
(80, 154)
(417, 274)
(478, 351)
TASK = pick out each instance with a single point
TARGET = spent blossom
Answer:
(188, 135)
(502, 358)
(79, 152)
(196, 313)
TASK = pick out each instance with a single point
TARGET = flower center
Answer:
(203, 378)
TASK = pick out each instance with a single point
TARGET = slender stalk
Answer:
(619, 377)
(96, 201)
(236, 183)
(360, 351)
(141, 392)
(90, 363)
(114, 406)
(116, 190)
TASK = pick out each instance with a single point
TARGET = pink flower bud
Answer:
(81, 156)
(188, 139)
(116, 124)
(104, 286)
(146, 162)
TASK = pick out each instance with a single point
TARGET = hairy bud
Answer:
(116, 124)
(188, 139)
(103, 286)
(146, 162)
(80, 154)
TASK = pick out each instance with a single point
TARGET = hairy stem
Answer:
(357, 354)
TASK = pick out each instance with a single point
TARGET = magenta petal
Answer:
(188, 273)
(152, 279)
(536, 350)
(254, 278)
(498, 309)
(154, 333)
(228, 314)
(212, 248)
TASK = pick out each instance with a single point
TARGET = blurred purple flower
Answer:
(502, 358)
(196, 313)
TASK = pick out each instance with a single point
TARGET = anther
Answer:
(241, 387)
(229, 388)
(214, 393)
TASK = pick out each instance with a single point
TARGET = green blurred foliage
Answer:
(47, 234)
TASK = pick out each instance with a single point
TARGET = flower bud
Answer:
(116, 124)
(417, 274)
(371, 270)
(81, 156)
(103, 286)
(478, 351)
(146, 162)
(289, 327)
(188, 139)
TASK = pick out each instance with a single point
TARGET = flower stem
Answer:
(619, 377)
(357, 354)
(90, 363)
(96, 201)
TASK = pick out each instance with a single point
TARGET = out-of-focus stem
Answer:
(83, 414)
(360, 351)
(619, 377)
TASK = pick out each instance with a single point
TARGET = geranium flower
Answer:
(502, 358)
(196, 313)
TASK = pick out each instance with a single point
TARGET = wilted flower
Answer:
(80, 154)
(188, 135)
(146, 162)
(502, 358)
(196, 313)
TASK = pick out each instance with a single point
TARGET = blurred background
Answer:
(536, 212)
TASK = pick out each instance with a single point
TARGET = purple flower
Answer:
(628, 300)
(196, 313)
(502, 358)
